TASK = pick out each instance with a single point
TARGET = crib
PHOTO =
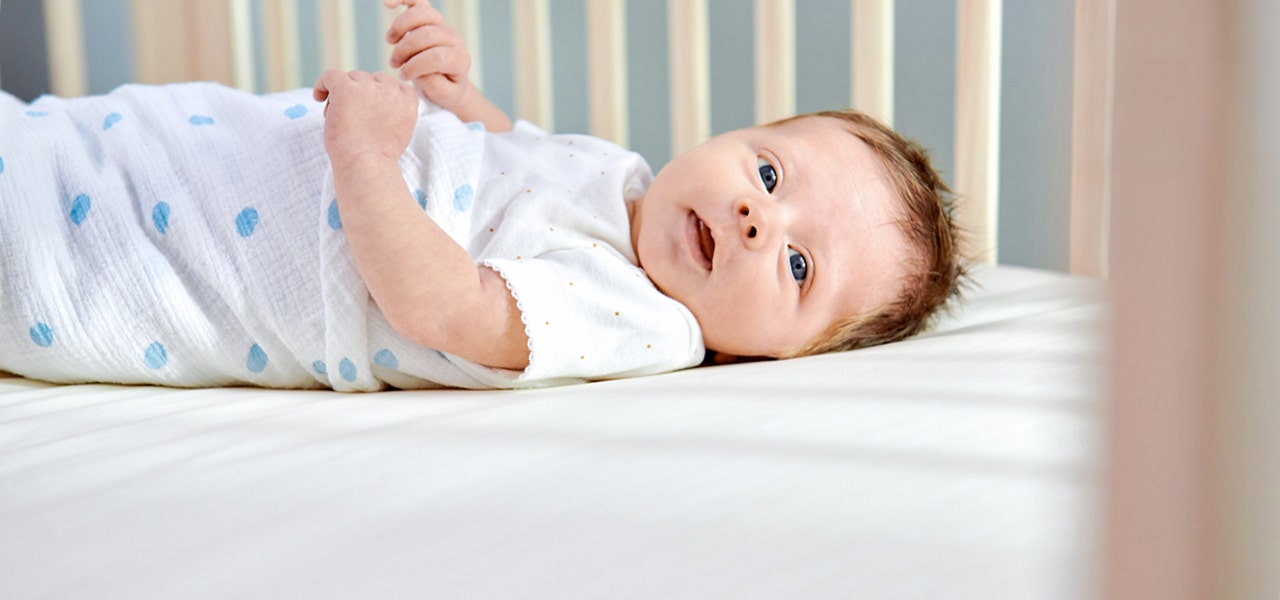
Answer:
(1026, 447)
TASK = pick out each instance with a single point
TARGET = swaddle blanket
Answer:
(184, 235)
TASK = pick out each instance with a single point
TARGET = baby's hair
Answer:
(935, 271)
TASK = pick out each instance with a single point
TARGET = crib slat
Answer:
(64, 35)
(182, 41)
(689, 62)
(242, 44)
(607, 69)
(977, 138)
(1091, 137)
(338, 34)
(463, 15)
(873, 58)
(159, 47)
(533, 61)
(209, 35)
(385, 18)
(280, 42)
(1176, 379)
(775, 59)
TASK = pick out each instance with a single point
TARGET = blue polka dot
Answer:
(386, 359)
(246, 222)
(200, 120)
(42, 335)
(257, 361)
(80, 209)
(347, 370)
(475, 126)
(37, 113)
(111, 119)
(156, 356)
(297, 111)
(462, 197)
(421, 197)
(335, 219)
(1, 165)
(160, 217)
(320, 367)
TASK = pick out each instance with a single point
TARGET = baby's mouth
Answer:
(706, 242)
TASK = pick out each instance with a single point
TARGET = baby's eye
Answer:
(799, 266)
(768, 175)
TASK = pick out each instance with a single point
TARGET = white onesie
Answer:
(188, 235)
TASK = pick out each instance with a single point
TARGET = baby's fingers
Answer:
(325, 83)
(442, 60)
(390, 81)
(420, 40)
(420, 14)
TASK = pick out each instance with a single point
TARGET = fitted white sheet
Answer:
(959, 464)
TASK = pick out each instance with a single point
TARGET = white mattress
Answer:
(960, 464)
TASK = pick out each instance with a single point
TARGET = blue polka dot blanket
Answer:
(188, 235)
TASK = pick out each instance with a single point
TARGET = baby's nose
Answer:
(752, 223)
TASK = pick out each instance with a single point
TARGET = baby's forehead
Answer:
(837, 170)
(815, 124)
(830, 154)
(860, 229)
(842, 143)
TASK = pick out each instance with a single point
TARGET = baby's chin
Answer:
(720, 358)
(743, 351)
(735, 339)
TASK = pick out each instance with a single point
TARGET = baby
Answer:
(451, 247)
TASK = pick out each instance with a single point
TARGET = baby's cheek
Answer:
(743, 328)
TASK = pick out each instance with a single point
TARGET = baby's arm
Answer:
(434, 57)
(427, 286)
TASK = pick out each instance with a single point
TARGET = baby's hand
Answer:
(430, 54)
(367, 114)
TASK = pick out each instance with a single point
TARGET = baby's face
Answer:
(770, 235)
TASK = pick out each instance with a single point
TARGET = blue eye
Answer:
(799, 266)
(768, 175)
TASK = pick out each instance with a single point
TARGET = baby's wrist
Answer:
(359, 158)
(461, 98)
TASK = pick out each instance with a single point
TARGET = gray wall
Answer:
(1035, 135)
(22, 51)
(1036, 90)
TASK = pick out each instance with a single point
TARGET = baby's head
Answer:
(822, 232)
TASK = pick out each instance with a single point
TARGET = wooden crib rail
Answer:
(176, 41)
(1093, 87)
(607, 69)
(65, 31)
(217, 40)
(978, 38)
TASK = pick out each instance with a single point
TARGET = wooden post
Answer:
(775, 64)
(280, 41)
(607, 69)
(690, 73)
(873, 58)
(1092, 86)
(978, 124)
(64, 35)
(533, 61)
(1168, 156)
